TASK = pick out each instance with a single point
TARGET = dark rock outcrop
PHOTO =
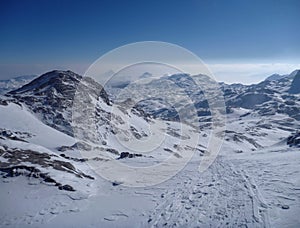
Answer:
(294, 140)
(128, 155)
(295, 87)
(51, 95)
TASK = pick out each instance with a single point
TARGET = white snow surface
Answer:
(18, 118)
(254, 182)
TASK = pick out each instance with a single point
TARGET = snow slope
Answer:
(18, 118)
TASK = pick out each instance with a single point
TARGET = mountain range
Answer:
(60, 130)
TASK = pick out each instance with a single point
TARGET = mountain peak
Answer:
(295, 87)
(294, 73)
(51, 96)
(47, 80)
(274, 77)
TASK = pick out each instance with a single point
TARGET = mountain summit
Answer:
(51, 95)
(295, 87)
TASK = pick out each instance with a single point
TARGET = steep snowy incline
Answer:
(17, 118)
(28, 146)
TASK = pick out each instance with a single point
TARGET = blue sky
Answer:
(37, 36)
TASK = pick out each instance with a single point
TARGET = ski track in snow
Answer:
(222, 196)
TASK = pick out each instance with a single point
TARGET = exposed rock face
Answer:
(50, 96)
(295, 87)
(294, 140)
(128, 155)
(31, 163)
(249, 100)
(19, 156)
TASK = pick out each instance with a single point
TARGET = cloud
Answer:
(248, 73)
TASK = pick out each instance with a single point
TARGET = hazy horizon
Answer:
(248, 73)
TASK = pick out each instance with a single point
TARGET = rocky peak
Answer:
(295, 86)
(51, 95)
(54, 79)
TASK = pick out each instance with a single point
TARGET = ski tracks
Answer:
(222, 196)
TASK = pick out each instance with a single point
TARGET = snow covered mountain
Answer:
(275, 77)
(268, 98)
(167, 96)
(48, 101)
(59, 131)
(15, 83)
(295, 86)
(50, 97)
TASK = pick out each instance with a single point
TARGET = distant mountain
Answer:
(168, 96)
(15, 83)
(294, 73)
(276, 77)
(295, 87)
(145, 75)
